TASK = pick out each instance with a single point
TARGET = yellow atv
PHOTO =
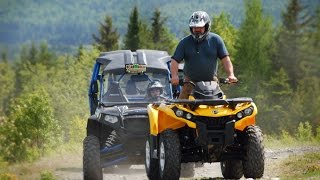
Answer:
(207, 127)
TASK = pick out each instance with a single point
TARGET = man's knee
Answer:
(186, 91)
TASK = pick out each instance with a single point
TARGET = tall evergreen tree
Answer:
(222, 25)
(7, 79)
(161, 37)
(108, 38)
(132, 38)
(145, 41)
(295, 21)
(254, 46)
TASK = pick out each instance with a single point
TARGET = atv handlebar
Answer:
(221, 81)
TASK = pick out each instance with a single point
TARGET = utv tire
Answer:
(169, 155)
(151, 164)
(91, 159)
(253, 165)
(231, 169)
(187, 170)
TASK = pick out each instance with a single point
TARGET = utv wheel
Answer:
(169, 155)
(151, 164)
(231, 169)
(253, 165)
(187, 169)
(91, 159)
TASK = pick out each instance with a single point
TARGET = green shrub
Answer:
(78, 130)
(318, 134)
(7, 176)
(29, 129)
(304, 132)
(47, 175)
(287, 138)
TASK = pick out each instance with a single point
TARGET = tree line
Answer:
(43, 102)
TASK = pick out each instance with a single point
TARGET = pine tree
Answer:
(132, 38)
(295, 21)
(254, 46)
(145, 41)
(4, 56)
(222, 26)
(274, 101)
(161, 37)
(108, 37)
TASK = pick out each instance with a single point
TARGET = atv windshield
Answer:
(128, 87)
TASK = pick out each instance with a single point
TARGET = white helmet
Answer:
(200, 19)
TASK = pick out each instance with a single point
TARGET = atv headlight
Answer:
(111, 119)
(179, 113)
(239, 115)
(248, 111)
(189, 116)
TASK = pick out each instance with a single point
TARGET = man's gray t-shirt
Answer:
(200, 59)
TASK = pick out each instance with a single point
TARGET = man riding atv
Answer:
(202, 126)
(200, 51)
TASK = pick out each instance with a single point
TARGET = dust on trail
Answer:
(71, 167)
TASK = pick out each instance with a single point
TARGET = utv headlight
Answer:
(248, 111)
(239, 115)
(189, 116)
(179, 113)
(111, 119)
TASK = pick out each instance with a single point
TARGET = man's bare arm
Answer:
(228, 67)
(174, 72)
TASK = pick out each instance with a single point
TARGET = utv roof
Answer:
(115, 61)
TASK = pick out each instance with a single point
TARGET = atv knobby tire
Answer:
(151, 164)
(169, 155)
(231, 169)
(253, 165)
(91, 159)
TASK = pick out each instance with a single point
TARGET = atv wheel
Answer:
(91, 159)
(187, 170)
(231, 169)
(253, 166)
(169, 155)
(151, 164)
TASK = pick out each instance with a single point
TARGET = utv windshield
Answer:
(132, 87)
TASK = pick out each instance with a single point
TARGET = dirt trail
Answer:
(72, 169)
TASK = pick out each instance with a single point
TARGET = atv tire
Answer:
(151, 164)
(91, 159)
(187, 170)
(231, 169)
(169, 155)
(253, 165)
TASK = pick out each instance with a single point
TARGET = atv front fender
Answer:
(153, 119)
(247, 121)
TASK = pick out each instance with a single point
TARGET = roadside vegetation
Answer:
(43, 96)
(306, 166)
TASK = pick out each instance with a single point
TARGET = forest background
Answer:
(48, 50)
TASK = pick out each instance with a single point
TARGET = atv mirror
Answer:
(139, 78)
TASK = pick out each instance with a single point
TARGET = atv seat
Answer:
(114, 93)
(131, 88)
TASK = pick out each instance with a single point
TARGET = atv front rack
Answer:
(194, 103)
(212, 102)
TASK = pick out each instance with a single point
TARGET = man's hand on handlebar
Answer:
(232, 79)
(175, 80)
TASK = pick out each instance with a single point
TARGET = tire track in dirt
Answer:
(208, 171)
